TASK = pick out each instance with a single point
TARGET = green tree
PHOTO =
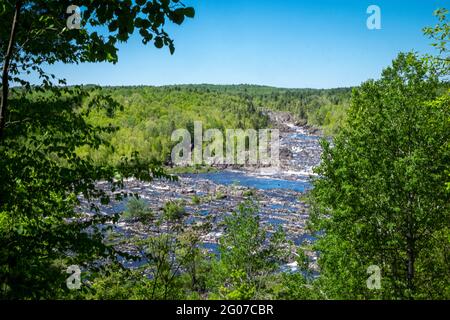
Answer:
(43, 127)
(43, 179)
(248, 255)
(36, 32)
(440, 35)
(381, 198)
(175, 261)
(138, 209)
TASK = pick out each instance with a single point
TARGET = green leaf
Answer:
(159, 42)
(189, 12)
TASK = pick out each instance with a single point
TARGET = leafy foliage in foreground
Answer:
(42, 129)
(381, 198)
(248, 256)
(42, 177)
(177, 267)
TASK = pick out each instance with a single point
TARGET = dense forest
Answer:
(148, 115)
(381, 196)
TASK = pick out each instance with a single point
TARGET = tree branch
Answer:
(5, 71)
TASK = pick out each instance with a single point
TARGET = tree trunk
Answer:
(5, 71)
(410, 242)
(411, 260)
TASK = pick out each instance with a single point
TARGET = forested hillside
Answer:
(148, 115)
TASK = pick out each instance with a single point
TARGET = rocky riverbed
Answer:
(211, 196)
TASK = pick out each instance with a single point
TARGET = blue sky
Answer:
(285, 43)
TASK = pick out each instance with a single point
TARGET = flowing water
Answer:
(278, 192)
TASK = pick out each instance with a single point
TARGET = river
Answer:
(277, 191)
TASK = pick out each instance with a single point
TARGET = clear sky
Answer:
(284, 43)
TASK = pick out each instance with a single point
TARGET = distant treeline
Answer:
(149, 115)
